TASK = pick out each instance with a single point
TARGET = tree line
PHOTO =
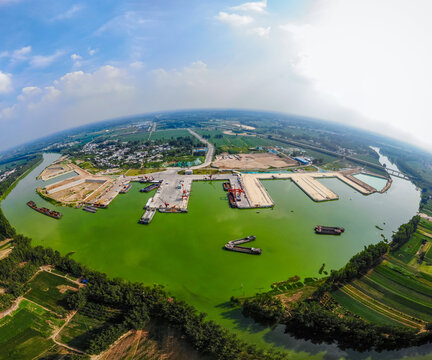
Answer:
(310, 320)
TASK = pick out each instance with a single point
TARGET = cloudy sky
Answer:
(66, 63)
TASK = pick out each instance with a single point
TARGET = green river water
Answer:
(184, 251)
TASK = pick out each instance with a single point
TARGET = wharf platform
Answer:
(259, 197)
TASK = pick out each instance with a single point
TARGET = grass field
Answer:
(24, 334)
(169, 134)
(398, 290)
(362, 310)
(236, 143)
(45, 290)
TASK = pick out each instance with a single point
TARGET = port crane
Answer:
(185, 194)
(236, 193)
(165, 203)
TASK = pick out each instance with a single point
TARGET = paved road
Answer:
(210, 151)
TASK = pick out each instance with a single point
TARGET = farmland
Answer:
(24, 334)
(27, 331)
(398, 290)
(49, 290)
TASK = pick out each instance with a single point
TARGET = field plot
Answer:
(169, 134)
(24, 334)
(252, 161)
(397, 290)
(49, 290)
(236, 143)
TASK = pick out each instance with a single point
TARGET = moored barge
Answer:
(234, 246)
(151, 187)
(232, 200)
(329, 230)
(45, 211)
(90, 209)
(125, 189)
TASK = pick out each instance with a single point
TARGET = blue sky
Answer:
(67, 63)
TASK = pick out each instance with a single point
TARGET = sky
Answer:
(364, 63)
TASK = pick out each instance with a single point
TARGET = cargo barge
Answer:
(232, 200)
(151, 187)
(45, 211)
(234, 246)
(329, 230)
(226, 186)
(99, 206)
(147, 217)
(125, 189)
(172, 210)
(90, 209)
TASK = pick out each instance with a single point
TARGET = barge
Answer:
(90, 209)
(329, 230)
(233, 245)
(232, 200)
(125, 189)
(45, 211)
(151, 187)
(147, 217)
(172, 210)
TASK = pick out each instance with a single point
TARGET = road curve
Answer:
(210, 151)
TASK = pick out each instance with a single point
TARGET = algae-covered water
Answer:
(184, 251)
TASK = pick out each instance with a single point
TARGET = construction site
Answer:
(258, 161)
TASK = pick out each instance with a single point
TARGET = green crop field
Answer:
(45, 290)
(169, 134)
(397, 283)
(408, 250)
(24, 333)
(362, 310)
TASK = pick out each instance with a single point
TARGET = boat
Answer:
(329, 230)
(151, 187)
(231, 199)
(125, 188)
(226, 186)
(233, 245)
(90, 209)
(100, 206)
(45, 211)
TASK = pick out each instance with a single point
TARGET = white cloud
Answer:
(76, 57)
(234, 19)
(69, 13)
(372, 57)
(40, 61)
(29, 92)
(5, 83)
(76, 60)
(21, 54)
(92, 52)
(130, 23)
(253, 6)
(261, 31)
